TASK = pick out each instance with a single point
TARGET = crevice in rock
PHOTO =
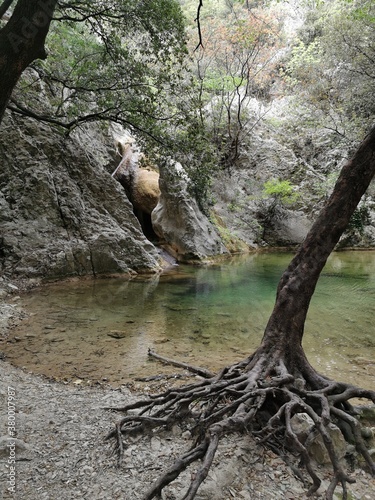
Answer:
(58, 203)
(145, 221)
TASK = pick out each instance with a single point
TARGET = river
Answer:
(95, 330)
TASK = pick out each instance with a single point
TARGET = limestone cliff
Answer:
(61, 212)
(177, 220)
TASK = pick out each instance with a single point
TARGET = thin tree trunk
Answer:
(285, 327)
(21, 42)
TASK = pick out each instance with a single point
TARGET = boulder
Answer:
(145, 190)
(288, 229)
(141, 184)
(179, 222)
(303, 425)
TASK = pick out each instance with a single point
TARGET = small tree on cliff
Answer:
(264, 391)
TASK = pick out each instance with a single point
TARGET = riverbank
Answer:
(60, 449)
(61, 452)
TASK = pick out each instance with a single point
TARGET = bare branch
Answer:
(4, 7)
(198, 21)
(194, 369)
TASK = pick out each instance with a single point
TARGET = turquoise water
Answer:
(208, 316)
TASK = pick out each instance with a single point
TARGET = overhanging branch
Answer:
(4, 7)
(198, 21)
(111, 114)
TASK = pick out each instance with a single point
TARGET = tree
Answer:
(122, 61)
(116, 62)
(333, 54)
(263, 392)
(234, 65)
(22, 41)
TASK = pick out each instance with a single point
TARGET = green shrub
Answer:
(281, 191)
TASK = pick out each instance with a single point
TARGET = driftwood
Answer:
(193, 369)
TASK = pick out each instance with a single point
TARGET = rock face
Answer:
(179, 222)
(241, 206)
(289, 230)
(61, 213)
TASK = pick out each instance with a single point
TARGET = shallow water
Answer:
(207, 316)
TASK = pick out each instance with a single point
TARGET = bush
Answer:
(281, 191)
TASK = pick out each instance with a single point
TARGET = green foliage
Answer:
(304, 60)
(281, 191)
(359, 219)
(233, 66)
(121, 63)
(194, 150)
(216, 83)
(334, 56)
(322, 188)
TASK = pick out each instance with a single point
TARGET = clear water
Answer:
(206, 316)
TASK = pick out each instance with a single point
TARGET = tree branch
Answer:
(104, 116)
(198, 21)
(22, 110)
(4, 7)
(194, 369)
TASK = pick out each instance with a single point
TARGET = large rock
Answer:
(304, 428)
(61, 212)
(178, 220)
(141, 184)
(239, 192)
(146, 191)
(288, 230)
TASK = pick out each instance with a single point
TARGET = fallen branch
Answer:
(193, 369)
(153, 378)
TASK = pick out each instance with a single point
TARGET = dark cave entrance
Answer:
(146, 225)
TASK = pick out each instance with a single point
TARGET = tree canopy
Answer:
(117, 62)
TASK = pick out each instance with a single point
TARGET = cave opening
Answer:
(145, 221)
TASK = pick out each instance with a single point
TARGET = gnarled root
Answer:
(258, 395)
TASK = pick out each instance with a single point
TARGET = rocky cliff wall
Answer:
(61, 212)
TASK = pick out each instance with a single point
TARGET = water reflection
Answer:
(209, 316)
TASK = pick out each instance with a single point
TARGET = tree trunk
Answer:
(262, 393)
(285, 327)
(21, 42)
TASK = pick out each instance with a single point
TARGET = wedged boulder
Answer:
(61, 212)
(141, 184)
(179, 222)
(146, 191)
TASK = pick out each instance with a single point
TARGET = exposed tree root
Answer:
(258, 395)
